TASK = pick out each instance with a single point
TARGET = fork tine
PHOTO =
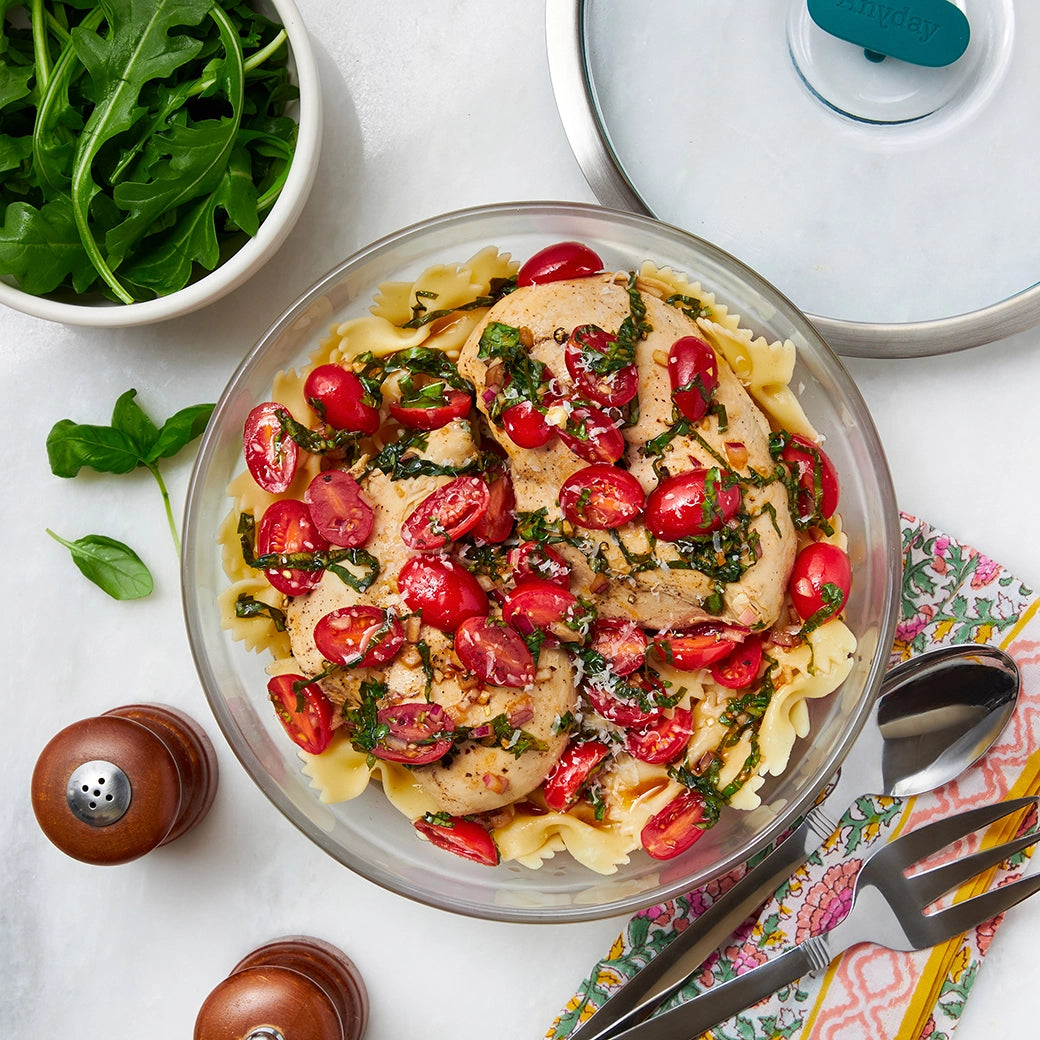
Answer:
(972, 912)
(930, 884)
(912, 846)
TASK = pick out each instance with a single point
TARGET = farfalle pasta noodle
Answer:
(635, 791)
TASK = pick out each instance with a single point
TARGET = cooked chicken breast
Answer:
(659, 597)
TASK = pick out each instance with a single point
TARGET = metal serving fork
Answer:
(888, 909)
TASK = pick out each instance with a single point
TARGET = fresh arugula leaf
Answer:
(109, 564)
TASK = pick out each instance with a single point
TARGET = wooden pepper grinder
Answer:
(110, 789)
(295, 988)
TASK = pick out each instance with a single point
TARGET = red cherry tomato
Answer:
(534, 560)
(740, 668)
(623, 643)
(664, 740)
(337, 397)
(557, 262)
(818, 488)
(286, 528)
(627, 711)
(494, 653)
(566, 779)
(339, 509)
(451, 511)
(306, 715)
(417, 732)
(693, 370)
(359, 637)
(591, 435)
(526, 426)
(676, 827)
(698, 646)
(497, 523)
(613, 389)
(690, 504)
(821, 573)
(457, 405)
(271, 454)
(442, 591)
(601, 497)
(464, 837)
(536, 605)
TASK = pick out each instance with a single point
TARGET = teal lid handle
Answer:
(922, 32)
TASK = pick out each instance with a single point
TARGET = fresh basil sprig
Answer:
(131, 440)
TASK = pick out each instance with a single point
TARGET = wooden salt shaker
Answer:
(110, 789)
(295, 988)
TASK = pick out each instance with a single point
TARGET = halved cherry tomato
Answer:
(740, 668)
(339, 509)
(286, 528)
(536, 605)
(592, 436)
(271, 454)
(494, 653)
(698, 646)
(818, 488)
(557, 262)
(496, 525)
(534, 560)
(464, 837)
(442, 591)
(456, 405)
(690, 504)
(622, 642)
(527, 426)
(359, 636)
(566, 779)
(601, 497)
(448, 513)
(627, 711)
(693, 370)
(821, 577)
(337, 397)
(676, 827)
(613, 389)
(417, 732)
(664, 740)
(306, 715)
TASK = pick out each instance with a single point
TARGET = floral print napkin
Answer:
(950, 594)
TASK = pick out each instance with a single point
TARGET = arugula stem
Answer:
(253, 61)
(46, 115)
(40, 54)
(154, 470)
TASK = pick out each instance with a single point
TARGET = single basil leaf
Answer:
(130, 418)
(112, 566)
(71, 446)
(179, 430)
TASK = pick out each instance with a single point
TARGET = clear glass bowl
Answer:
(368, 834)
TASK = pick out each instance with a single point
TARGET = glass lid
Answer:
(893, 201)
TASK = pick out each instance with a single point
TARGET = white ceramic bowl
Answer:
(255, 251)
(368, 834)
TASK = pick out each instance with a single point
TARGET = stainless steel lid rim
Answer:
(568, 69)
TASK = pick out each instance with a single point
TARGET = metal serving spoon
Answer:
(936, 715)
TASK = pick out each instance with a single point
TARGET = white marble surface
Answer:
(428, 108)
